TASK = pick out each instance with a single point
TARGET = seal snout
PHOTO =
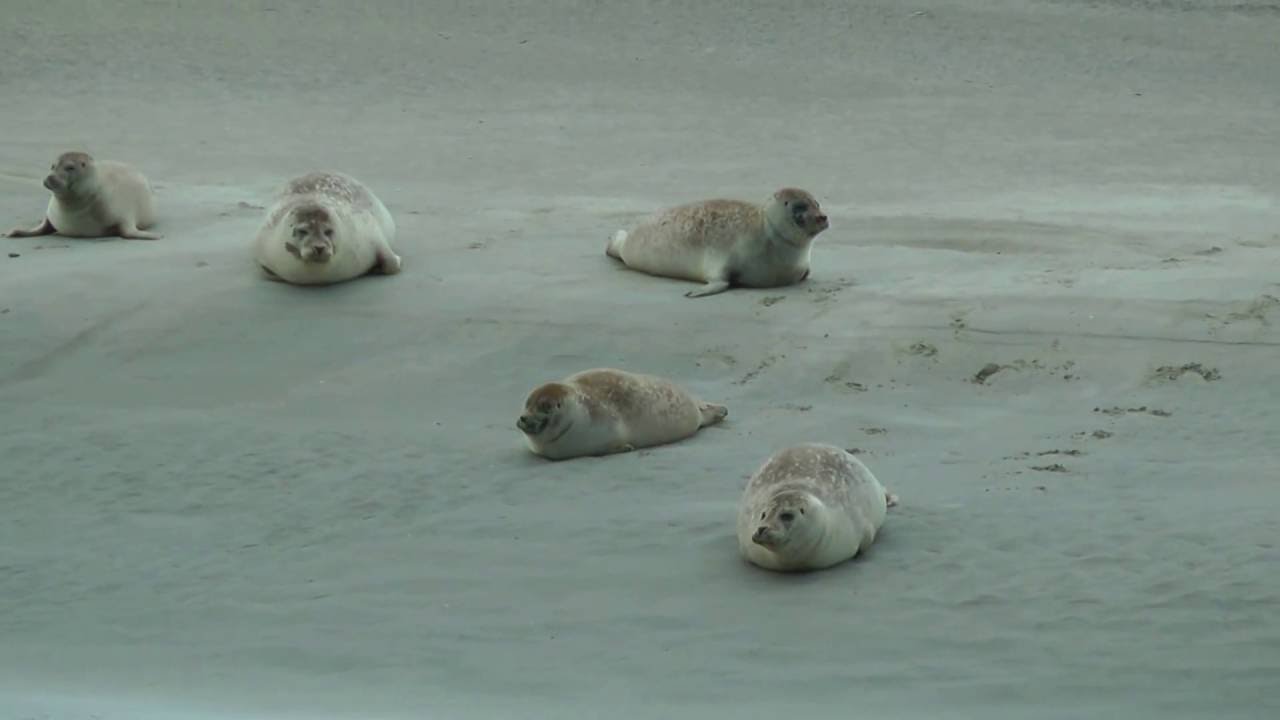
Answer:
(531, 425)
(763, 537)
(51, 182)
(319, 254)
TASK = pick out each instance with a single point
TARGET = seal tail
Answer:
(614, 249)
(712, 413)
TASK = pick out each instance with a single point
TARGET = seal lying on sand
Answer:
(604, 411)
(95, 199)
(725, 243)
(810, 507)
(326, 227)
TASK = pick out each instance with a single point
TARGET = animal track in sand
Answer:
(826, 292)
(923, 349)
(1255, 310)
(1116, 411)
(764, 364)
(1053, 467)
(985, 373)
(1173, 372)
(717, 356)
(846, 384)
(1043, 453)
(1096, 434)
(772, 300)
(839, 377)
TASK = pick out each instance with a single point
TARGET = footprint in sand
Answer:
(1169, 373)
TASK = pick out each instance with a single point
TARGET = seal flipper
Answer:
(388, 262)
(614, 248)
(44, 228)
(714, 287)
(130, 231)
(270, 275)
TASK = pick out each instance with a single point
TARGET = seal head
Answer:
(796, 216)
(783, 523)
(69, 169)
(543, 416)
(311, 235)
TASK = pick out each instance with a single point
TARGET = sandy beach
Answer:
(1045, 315)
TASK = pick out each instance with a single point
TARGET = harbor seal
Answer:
(726, 243)
(605, 411)
(810, 507)
(95, 198)
(325, 227)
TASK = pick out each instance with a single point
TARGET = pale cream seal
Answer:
(726, 243)
(604, 411)
(326, 227)
(94, 199)
(810, 507)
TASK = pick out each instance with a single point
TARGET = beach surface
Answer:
(1046, 315)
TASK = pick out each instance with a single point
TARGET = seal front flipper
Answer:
(44, 228)
(388, 262)
(271, 275)
(714, 287)
(129, 231)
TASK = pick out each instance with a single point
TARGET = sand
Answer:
(229, 498)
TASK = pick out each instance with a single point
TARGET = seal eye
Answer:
(328, 233)
(787, 517)
(762, 516)
(800, 207)
(801, 511)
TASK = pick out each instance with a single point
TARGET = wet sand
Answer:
(1044, 315)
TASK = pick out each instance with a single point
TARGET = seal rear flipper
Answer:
(44, 228)
(614, 248)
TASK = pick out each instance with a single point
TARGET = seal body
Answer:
(326, 227)
(810, 507)
(604, 411)
(726, 243)
(94, 198)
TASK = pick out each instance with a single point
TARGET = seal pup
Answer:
(605, 411)
(725, 243)
(810, 507)
(325, 227)
(95, 198)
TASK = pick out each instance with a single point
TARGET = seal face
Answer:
(810, 507)
(725, 243)
(326, 227)
(604, 411)
(95, 199)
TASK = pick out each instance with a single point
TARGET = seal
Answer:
(726, 243)
(605, 411)
(95, 198)
(810, 507)
(323, 228)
